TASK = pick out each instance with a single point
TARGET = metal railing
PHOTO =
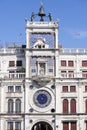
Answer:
(73, 75)
(73, 50)
(61, 75)
(12, 75)
(11, 50)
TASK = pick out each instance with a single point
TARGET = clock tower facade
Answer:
(41, 55)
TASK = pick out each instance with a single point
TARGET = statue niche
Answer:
(40, 44)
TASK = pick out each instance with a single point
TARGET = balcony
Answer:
(12, 75)
(73, 51)
(43, 79)
(11, 51)
(73, 75)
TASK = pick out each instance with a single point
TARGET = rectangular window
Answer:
(19, 63)
(10, 89)
(84, 63)
(86, 125)
(72, 88)
(85, 88)
(70, 74)
(9, 125)
(33, 70)
(18, 89)
(63, 63)
(50, 70)
(18, 125)
(64, 88)
(11, 63)
(63, 74)
(70, 63)
(65, 125)
(84, 74)
(73, 125)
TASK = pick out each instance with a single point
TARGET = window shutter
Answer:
(73, 125)
(73, 106)
(86, 105)
(72, 88)
(65, 88)
(70, 63)
(63, 63)
(84, 63)
(65, 125)
(11, 63)
(65, 106)
(85, 88)
(19, 63)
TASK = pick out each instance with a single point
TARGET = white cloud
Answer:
(79, 34)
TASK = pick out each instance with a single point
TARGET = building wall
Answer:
(65, 85)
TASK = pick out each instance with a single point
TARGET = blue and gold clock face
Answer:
(42, 98)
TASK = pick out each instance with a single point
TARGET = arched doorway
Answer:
(42, 126)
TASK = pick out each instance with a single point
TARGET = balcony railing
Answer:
(17, 75)
(12, 75)
(66, 75)
(11, 51)
(73, 75)
(73, 50)
(61, 75)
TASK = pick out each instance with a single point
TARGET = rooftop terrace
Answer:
(73, 51)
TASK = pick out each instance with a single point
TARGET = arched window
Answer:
(86, 105)
(65, 106)
(73, 106)
(10, 106)
(18, 106)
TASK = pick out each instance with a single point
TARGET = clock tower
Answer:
(41, 72)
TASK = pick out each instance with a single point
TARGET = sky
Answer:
(71, 14)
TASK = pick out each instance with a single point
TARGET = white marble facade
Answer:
(43, 86)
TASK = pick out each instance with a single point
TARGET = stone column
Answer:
(27, 66)
(2, 99)
(46, 68)
(56, 64)
(27, 39)
(58, 99)
(27, 53)
(56, 38)
(80, 97)
(2, 124)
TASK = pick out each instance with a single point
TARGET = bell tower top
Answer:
(39, 27)
(41, 14)
(41, 44)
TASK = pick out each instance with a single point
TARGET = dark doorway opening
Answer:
(42, 126)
